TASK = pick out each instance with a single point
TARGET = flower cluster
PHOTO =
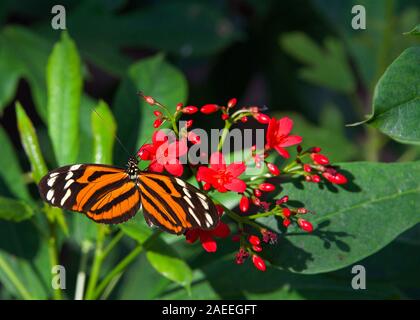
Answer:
(256, 189)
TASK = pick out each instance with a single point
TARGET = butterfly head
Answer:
(132, 168)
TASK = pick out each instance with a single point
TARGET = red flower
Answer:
(221, 176)
(206, 236)
(163, 154)
(278, 136)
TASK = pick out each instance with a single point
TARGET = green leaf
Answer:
(64, 82)
(158, 79)
(396, 101)
(22, 248)
(11, 173)
(352, 222)
(103, 129)
(14, 210)
(223, 279)
(326, 66)
(161, 256)
(414, 32)
(167, 262)
(30, 143)
(23, 54)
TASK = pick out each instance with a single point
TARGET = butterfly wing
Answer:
(104, 193)
(175, 205)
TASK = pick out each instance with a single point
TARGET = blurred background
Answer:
(300, 58)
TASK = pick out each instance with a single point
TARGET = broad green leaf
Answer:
(162, 81)
(352, 222)
(23, 54)
(10, 171)
(326, 66)
(103, 129)
(64, 83)
(396, 101)
(22, 248)
(30, 143)
(161, 256)
(137, 228)
(224, 279)
(167, 262)
(414, 32)
(14, 210)
(338, 149)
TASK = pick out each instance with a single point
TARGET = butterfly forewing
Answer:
(104, 193)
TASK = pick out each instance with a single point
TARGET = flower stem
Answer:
(53, 255)
(9, 272)
(225, 132)
(97, 262)
(81, 275)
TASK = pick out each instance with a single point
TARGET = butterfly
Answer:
(108, 194)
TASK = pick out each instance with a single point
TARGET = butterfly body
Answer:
(108, 194)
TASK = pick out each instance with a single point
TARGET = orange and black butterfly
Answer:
(109, 194)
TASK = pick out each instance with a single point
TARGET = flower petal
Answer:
(222, 230)
(217, 161)
(271, 133)
(205, 174)
(236, 168)
(208, 243)
(290, 141)
(191, 236)
(283, 152)
(176, 169)
(156, 167)
(159, 137)
(285, 125)
(236, 185)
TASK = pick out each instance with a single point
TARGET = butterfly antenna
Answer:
(115, 135)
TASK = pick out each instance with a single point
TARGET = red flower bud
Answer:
(319, 159)
(256, 201)
(274, 170)
(190, 110)
(244, 119)
(149, 100)
(257, 248)
(258, 262)
(244, 204)
(305, 225)
(340, 179)
(179, 106)
(193, 137)
(286, 212)
(157, 113)
(316, 178)
(254, 240)
(307, 168)
(316, 149)
(189, 123)
(231, 103)
(282, 200)
(286, 222)
(299, 148)
(308, 178)
(262, 118)
(157, 123)
(302, 210)
(209, 108)
(257, 193)
(225, 116)
(266, 187)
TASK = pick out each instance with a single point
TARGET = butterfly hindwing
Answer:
(175, 205)
(104, 193)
